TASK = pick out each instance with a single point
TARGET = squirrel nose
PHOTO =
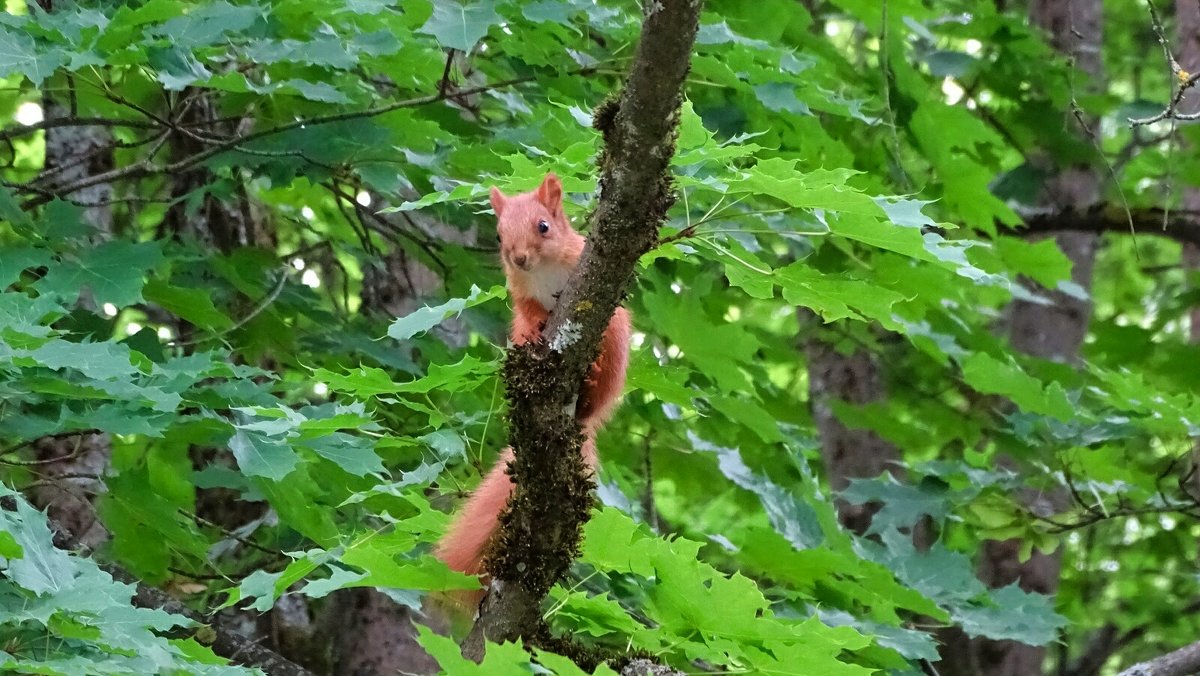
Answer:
(520, 260)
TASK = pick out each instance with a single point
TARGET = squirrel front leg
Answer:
(529, 317)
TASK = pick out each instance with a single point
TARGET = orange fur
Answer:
(536, 265)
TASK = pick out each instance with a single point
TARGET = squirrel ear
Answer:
(549, 193)
(498, 200)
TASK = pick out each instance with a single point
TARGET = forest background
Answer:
(913, 385)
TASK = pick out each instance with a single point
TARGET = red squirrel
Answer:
(538, 250)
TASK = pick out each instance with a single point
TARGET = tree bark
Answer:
(540, 530)
(854, 378)
(399, 282)
(373, 635)
(220, 224)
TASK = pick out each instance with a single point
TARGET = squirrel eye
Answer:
(543, 226)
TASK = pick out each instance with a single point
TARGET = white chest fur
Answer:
(546, 282)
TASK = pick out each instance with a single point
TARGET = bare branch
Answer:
(56, 122)
(1181, 225)
(144, 168)
(1178, 75)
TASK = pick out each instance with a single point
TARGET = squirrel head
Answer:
(534, 232)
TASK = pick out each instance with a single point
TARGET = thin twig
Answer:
(46, 461)
(258, 308)
(143, 168)
(445, 83)
(230, 534)
(54, 123)
(1177, 75)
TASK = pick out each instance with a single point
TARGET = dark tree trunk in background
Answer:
(219, 225)
(222, 224)
(402, 280)
(375, 636)
(67, 491)
(854, 378)
(221, 221)
(371, 634)
(1053, 331)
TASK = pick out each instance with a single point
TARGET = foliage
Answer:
(807, 179)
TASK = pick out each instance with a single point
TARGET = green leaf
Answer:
(781, 97)
(194, 305)
(501, 659)
(353, 454)
(992, 376)
(40, 568)
(447, 443)
(459, 26)
(794, 519)
(260, 455)
(902, 505)
(19, 54)
(16, 259)
(1014, 615)
(366, 381)
(1042, 260)
(426, 318)
(9, 547)
(208, 23)
(951, 64)
(103, 361)
(113, 271)
(838, 297)
(821, 189)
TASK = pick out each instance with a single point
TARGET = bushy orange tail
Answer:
(463, 545)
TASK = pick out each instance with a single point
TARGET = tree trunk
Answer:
(222, 225)
(399, 282)
(371, 634)
(71, 484)
(854, 378)
(1054, 331)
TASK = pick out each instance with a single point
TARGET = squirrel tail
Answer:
(463, 544)
(462, 547)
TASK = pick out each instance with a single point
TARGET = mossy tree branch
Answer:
(540, 531)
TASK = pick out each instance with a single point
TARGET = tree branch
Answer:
(1181, 662)
(223, 641)
(540, 530)
(1183, 226)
